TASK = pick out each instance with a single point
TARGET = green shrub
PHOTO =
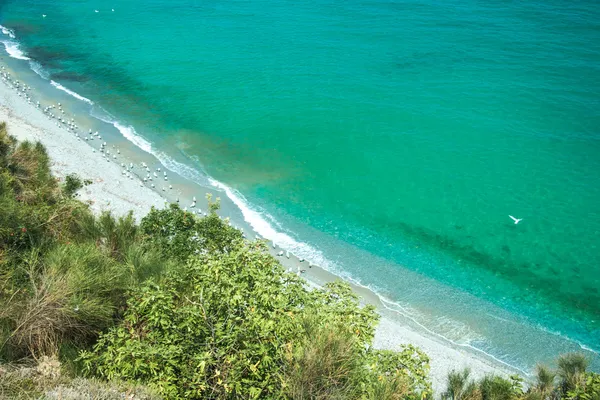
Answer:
(572, 371)
(406, 370)
(33, 210)
(229, 325)
(588, 390)
(72, 184)
(179, 234)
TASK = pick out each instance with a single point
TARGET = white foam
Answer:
(584, 347)
(38, 69)
(397, 308)
(7, 32)
(13, 50)
(181, 169)
(562, 336)
(303, 250)
(130, 134)
(266, 230)
(70, 92)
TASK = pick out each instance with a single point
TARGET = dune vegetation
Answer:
(177, 306)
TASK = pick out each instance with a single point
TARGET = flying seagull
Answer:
(517, 220)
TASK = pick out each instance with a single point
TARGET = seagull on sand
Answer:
(517, 220)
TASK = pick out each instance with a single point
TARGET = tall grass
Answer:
(64, 273)
(460, 387)
(572, 370)
(72, 294)
(324, 365)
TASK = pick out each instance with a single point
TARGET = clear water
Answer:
(393, 136)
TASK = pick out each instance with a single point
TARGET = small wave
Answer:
(397, 308)
(182, 169)
(13, 50)
(266, 230)
(130, 134)
(70, 92)
(584, 347)
(8, 32)
(38, 69)
(562, 336)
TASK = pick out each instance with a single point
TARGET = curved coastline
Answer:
(451, 354)
(111, 192)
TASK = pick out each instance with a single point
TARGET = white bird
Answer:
(517, 220)
(96, 11)
(43, 15)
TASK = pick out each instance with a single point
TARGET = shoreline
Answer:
(112, 190)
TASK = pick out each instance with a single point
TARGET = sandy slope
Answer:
(109, 190)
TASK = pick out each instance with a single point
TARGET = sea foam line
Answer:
(397, 308)
(70, 92)
(266, 230)
(8, 32)
(252, 217)
(130, 134)
(140, 142)
(13, 50)
(38, 69)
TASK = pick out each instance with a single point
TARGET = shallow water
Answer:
(389, 140)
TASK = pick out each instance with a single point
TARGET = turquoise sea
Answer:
(389, 139)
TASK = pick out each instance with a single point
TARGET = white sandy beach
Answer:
(111, 190)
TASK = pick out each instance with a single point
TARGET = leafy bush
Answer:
(234, 324)
(589, 389)
(179, 234)
(72, 184)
